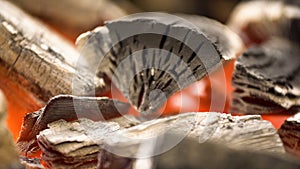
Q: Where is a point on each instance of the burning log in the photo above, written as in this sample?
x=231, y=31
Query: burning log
x=8, y=154
x=69, y=144
x=160, y=54
x=257, y=21
x=38, y=60
x=290, y=134
x=267, y=79
x=69, y=108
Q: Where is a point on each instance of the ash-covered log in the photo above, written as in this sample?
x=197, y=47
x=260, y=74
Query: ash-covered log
x=267, y=79
x=38, y=60
x=160, y=53
x=289, y=133
x=257, y=21
x=8, y=155
x=67, y=144
x=68, y=108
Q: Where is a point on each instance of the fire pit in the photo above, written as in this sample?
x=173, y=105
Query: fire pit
x=149, y=90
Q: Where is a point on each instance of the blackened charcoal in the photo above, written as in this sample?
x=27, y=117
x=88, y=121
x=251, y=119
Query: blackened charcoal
x=150, y=57
x=267, y=79
x=69, y=108
x=289, y=133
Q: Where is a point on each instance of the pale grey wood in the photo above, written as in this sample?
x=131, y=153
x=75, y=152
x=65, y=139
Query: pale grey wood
x=238, y=132
x=267, y=79
x=38, y=59
x=152, y=55
x=69, y=108
x=72, y=143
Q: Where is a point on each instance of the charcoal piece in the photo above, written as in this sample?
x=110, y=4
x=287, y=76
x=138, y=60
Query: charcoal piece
x=74, y=144
x=151, y=56
x=258, y=21
x=8, y=154
x=65, y=144
x=267, y=79
x=245, y=132
x=190, y=154
x=69, y=108
x=38, y=60
x=289, y=133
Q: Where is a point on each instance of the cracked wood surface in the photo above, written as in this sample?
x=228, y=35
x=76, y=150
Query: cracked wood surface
x=68, y=108
x=267, y=79
x=87, y=138
x=160, y=54
x=39, y=60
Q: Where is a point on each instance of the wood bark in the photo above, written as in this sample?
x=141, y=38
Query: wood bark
x=289, y=133
x=8, y=154
x=69, y=108
x=160, y=53
x=118, y=146
x=39, y=60
x=267, y=79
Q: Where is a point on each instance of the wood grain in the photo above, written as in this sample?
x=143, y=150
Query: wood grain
x=38, y=59
x=68, y=108
x=118, y=146
x=151, y=56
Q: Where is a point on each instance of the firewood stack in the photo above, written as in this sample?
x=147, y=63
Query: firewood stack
x=148, y=58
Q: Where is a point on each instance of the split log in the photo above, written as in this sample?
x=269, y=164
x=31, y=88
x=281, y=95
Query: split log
x=38, y=60
x=69, y=108
x=257, y=21
x=192, y=155
x=289, y=133
x=121, y=145
x=160, y=54
x=72, y=15
x=267, y=79
x=8, y=154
